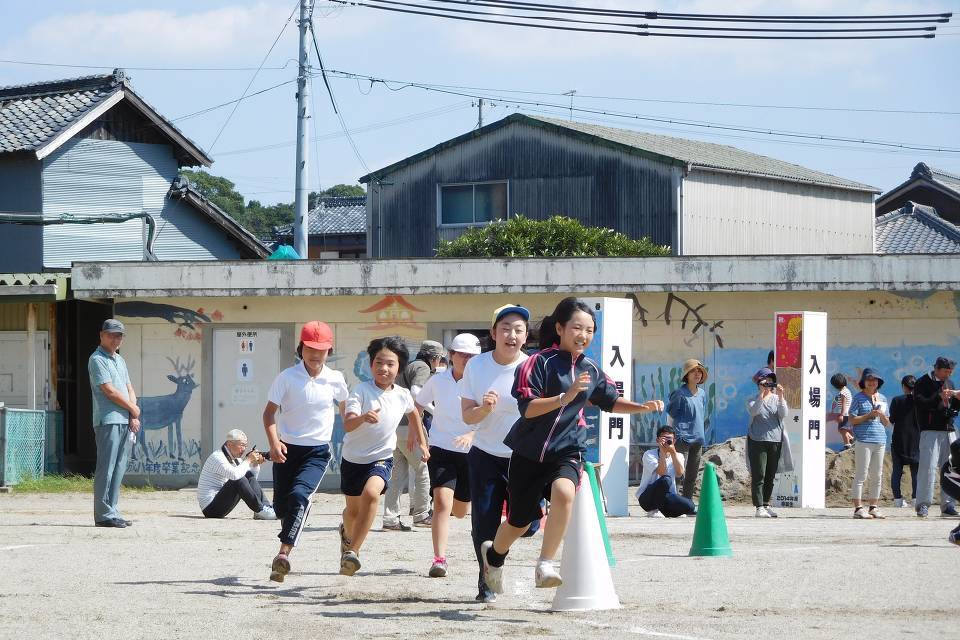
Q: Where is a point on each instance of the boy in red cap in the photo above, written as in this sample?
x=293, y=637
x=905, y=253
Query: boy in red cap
x=306, y=394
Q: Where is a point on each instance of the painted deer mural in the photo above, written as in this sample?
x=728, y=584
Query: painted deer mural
x=166, y=412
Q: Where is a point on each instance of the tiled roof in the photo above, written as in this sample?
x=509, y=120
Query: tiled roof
x=941, y=177
x=703, y=155
x=915, y=228
x=334, y=216
x=251, y=246
x=33, y=115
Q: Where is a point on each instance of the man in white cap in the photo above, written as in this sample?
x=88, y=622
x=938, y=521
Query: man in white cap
x=115, y=415
x=228, y=477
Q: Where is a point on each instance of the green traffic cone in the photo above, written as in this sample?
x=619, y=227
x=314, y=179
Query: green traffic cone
x=710, y=533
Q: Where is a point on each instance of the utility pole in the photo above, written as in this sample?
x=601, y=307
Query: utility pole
x=480, y=114
x=301, y=232
x=571, y=93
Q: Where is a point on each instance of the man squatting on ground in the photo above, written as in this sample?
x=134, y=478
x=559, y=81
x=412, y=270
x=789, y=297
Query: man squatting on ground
x=228, y=477
x=305, y=397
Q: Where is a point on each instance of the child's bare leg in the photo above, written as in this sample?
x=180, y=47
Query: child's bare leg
x=363, y=510
x=562, y=494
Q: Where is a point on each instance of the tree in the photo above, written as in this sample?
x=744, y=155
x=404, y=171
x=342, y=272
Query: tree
x=558, y=236
x=217, y=190
x=344, y=191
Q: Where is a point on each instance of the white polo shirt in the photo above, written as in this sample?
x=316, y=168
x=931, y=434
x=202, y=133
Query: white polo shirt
x=483, y=374
x=371, y=442
x=307, y=404
x=443, y=391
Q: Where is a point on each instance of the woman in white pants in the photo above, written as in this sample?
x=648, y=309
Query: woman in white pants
x=869, y=414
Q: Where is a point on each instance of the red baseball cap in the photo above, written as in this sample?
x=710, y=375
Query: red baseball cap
x=317, y=335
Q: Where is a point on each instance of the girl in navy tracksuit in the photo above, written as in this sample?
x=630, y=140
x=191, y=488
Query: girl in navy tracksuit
x=549, y=439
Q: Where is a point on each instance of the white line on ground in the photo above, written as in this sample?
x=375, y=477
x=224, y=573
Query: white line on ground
x=18, y=546
x=736, y=551
x=661, y=634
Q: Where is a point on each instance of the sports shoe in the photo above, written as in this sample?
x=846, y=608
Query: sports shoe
x=762, y=512
x=344, y=542
x=266, y=513
x=954, y=537
x=493, y=576
x=485, y=595
x=876, y=513
x=425, y=523
x=349, y=563
x=899, y=503
x=923, y=511
x=545, y=576
x=280, y=567
x=439, y=567
x=396, y=526
x=862, y=514
x=950, y=511
x=770, y=512
x=655, y=514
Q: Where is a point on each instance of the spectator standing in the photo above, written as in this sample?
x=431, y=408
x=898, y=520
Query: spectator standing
x=687, y=408
x=869, y=414
x=938, y=403
x=765, y=439
x=841, y=408
x=904, y=442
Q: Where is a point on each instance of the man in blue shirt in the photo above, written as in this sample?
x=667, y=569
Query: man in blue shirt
x=115, y=415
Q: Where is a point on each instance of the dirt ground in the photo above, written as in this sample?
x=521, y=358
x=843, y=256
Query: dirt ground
x=808, y=574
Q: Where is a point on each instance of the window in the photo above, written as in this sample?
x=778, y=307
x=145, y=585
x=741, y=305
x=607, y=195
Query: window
x=470, y=204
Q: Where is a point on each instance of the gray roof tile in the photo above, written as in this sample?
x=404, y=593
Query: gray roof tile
x=916, y=228
x=334, y=216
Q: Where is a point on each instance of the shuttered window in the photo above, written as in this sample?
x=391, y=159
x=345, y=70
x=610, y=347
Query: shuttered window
x=469, y=204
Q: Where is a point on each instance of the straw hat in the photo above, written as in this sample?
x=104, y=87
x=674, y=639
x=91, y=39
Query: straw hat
x=692, y=364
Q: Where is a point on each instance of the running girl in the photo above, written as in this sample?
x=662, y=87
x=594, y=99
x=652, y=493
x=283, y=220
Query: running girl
x=449, y=472
x=549, y=439
x=306, y=396
x=372, y=414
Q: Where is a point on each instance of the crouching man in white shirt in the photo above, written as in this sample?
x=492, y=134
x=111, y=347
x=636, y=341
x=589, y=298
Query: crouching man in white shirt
x=657, y=493
x=229, y=477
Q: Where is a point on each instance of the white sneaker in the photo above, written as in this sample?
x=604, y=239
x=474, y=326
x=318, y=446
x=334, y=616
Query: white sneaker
x=266, y=513
x=899, y=503
x=655, y=514
x=545, y=576
x=493, y=576
x=770, y=512
x=761, y=513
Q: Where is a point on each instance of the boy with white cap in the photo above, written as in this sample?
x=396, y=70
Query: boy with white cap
x=305, y=396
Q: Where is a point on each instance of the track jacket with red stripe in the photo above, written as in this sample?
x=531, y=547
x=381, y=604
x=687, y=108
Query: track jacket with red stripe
x=562, y=431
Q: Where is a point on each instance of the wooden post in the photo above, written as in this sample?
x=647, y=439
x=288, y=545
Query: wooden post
x=32, y=355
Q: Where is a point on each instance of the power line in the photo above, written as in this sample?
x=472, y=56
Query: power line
x=228, y=103
x=126, y=68
x=254, y=77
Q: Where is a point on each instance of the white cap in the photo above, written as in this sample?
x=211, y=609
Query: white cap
x=466, y=343
x=236, y=435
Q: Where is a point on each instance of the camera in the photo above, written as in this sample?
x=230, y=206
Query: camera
x=769, y=384
x=668, y=441
x=265, y=454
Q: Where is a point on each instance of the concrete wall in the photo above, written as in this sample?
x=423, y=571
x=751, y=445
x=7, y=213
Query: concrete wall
x=730, y=331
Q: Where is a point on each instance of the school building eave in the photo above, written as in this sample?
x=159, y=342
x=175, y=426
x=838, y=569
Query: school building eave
x=426, y=276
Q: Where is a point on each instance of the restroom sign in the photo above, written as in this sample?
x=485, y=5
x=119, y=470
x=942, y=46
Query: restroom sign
x=246, y=341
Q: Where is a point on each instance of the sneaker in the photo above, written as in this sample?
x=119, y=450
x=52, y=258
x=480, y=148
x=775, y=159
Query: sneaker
x=426, y=523
x=344, y=542
x=876, y=513
x=545, y=576
x=396, y=526
x=762, y=512
x=655, y=514
x=485, y=595
x=493, y=576
x=266, y=513
x=439, y=568
x=349, y=563
x=770, y=512
x=923, y=511
x=950, y=511
x=862, y=514
x=280, y=567
x=899, y=503
x=954, y=537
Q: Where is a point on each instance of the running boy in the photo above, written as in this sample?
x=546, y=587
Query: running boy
x=372, y=414
x=549, y=439
x=305, y=395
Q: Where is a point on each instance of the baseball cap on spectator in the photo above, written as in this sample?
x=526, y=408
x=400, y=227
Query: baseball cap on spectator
x=113, y=326
x=764, y=373
x=944, y=363
x=317, y=335
x=432, y=349
x=466, y=343
x=506, y=309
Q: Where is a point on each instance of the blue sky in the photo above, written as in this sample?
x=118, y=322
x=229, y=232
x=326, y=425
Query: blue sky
x=902, y=75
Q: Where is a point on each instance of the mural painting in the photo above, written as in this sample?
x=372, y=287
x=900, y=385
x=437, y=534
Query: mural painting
x=166, y=412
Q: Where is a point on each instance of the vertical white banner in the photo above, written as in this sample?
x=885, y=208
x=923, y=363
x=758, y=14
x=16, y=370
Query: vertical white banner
x=613, y=350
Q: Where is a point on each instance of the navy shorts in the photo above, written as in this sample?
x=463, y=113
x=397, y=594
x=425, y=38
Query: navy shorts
x=530, y=481
x=353, y=476
x=450, y=469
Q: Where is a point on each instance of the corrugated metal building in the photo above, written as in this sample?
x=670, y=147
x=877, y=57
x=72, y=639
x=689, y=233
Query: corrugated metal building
x=700, y=198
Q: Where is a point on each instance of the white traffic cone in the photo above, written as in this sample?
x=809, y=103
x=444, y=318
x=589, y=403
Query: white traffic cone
x=587, y=583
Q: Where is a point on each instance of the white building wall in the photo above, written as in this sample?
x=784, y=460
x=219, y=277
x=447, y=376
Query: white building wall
x=730, y=214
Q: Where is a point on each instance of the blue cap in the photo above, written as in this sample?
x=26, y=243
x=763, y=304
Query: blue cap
x=764, y=373
x=113, y=326
x=506, y=309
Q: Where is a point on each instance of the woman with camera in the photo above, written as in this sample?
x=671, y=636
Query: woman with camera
x=869, y=414
x=764, y=439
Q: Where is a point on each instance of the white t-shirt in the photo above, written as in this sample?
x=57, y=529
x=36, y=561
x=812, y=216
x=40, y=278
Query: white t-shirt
x=442, y=390
x=483, y=374
x=650, y=462
x=307, y=405
x=372, y=442
x=218, y=471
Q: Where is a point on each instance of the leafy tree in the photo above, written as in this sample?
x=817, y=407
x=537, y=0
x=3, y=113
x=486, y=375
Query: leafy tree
x=558, y=236
x=344, y=191
x=218, y=190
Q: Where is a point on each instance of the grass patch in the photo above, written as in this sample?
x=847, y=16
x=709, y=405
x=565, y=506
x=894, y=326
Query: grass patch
x=71, y=483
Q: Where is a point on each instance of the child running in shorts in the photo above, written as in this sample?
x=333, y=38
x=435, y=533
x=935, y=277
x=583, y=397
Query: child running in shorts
x=372, y=413
x=549, y=439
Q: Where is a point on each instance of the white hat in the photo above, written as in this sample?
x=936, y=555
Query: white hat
x=236, y=435
x=466, y=343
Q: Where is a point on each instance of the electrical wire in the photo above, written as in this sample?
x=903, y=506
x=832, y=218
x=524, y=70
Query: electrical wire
x=227, y=104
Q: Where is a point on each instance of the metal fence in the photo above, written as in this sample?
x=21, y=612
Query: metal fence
x=21, y=445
